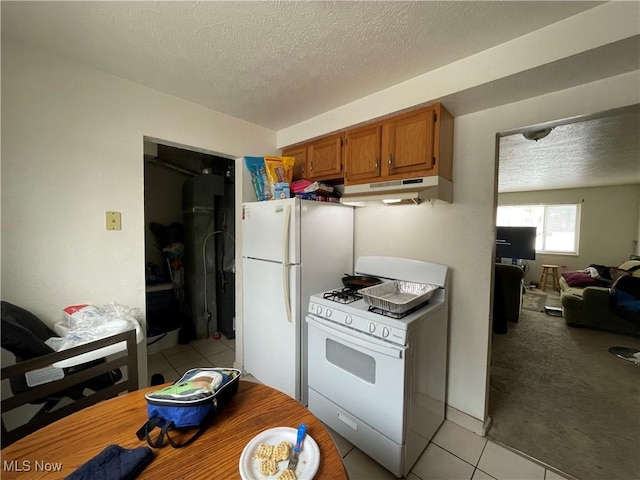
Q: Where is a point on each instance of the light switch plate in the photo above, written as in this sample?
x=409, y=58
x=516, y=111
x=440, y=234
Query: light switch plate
x=113, y=221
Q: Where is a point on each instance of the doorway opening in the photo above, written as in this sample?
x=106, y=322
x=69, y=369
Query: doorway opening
x=189, y=204
x=553, y=383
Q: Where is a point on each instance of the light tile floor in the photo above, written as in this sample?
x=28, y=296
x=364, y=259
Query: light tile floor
x=453, y=454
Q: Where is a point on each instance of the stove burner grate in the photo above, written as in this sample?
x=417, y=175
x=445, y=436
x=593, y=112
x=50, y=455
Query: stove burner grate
x=387, y=313
x=344, y=296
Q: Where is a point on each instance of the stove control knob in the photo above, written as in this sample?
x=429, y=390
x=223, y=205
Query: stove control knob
x=348, y=320
x=385, y=332
x=329, y=312
x=319, y=309
x=372, y=327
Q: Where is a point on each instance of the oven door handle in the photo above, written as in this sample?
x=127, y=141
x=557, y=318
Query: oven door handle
x=373, y=344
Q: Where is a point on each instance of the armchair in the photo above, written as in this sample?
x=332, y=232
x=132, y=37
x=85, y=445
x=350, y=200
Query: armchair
x=507, y=295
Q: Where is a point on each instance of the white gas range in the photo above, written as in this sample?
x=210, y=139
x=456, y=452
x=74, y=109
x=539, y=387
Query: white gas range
x=353, y=312
x=376, y=379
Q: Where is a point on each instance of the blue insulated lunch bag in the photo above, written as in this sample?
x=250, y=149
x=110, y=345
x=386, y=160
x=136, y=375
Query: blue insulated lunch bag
x=190, y=403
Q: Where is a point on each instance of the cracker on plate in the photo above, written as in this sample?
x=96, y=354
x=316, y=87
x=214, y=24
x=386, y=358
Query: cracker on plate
x=287, y=475
x=264, y=452
x=268, y=467
x=282, y=451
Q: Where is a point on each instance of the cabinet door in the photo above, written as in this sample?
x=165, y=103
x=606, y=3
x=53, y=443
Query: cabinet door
x=362, y=153
x=410, y=147
x=300, y=154
x=325, y=158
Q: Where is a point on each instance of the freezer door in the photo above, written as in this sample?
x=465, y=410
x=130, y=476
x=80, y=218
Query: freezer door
x=271, y=341
x=271, y=230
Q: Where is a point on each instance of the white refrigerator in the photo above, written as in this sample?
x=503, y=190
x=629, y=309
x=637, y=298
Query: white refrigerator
x=291, y=249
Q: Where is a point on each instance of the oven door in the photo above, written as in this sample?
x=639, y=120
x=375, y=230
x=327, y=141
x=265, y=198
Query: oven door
x=362, y=374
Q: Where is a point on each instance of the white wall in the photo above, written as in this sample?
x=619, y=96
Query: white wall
x=72, y=148
x=608, y=224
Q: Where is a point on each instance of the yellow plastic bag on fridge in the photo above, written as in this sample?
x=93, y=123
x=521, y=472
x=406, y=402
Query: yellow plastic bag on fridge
x=279, y=171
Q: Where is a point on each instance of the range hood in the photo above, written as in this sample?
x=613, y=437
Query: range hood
x=398, y=192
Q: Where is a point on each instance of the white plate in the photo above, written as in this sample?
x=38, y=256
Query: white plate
x=308, y=461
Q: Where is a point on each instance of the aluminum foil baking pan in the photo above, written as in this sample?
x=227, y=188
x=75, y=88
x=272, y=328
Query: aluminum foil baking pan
x=398, y=296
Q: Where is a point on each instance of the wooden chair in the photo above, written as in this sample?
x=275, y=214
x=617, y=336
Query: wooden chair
x=73, y=378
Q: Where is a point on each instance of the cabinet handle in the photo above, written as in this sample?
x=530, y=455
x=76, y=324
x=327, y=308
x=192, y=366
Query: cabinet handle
x=303, y=168
x=375, y=165
x=390, y=159
x=311, y=165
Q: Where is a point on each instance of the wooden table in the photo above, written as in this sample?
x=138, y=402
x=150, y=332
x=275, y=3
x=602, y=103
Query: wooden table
x=75, y=439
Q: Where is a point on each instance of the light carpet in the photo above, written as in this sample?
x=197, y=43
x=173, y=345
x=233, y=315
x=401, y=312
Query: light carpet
x=558, y=395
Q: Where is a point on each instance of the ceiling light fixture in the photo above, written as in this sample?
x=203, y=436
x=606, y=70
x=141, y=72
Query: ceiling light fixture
x=537, y=134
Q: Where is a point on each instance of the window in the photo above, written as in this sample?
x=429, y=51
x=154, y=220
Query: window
x=557, y=231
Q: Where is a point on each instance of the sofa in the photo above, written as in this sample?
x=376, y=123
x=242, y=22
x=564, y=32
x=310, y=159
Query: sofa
x=507, y=295
x=586, y=300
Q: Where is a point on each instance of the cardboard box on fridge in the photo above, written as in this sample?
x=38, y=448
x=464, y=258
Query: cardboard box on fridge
x=281, y=190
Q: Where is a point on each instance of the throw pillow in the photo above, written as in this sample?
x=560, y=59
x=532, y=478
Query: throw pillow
x=581, y=280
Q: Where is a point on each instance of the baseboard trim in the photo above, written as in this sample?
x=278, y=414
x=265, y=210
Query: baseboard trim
x=486, y=426
x=468, y=422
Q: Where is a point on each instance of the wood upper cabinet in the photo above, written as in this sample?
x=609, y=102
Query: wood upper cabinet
x=324, y=159
x=418, y=143
x=414, y=144
x=319, y=160
x=300, y=154
x=363, y=150
x=410, y=143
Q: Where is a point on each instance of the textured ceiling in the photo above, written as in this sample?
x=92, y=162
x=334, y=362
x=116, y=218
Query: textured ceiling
x=600, y=150
x=274, y=63
x=279, y=63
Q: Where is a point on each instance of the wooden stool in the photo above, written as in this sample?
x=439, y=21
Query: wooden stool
x=553, y=271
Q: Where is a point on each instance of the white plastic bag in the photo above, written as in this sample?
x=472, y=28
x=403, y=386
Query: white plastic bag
x=87, y=323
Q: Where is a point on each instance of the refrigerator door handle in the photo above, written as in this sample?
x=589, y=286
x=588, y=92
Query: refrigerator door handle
x=285, y=291
x=285, y=262
x=285, y=235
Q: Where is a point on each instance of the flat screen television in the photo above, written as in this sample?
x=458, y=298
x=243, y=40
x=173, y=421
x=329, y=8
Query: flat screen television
x=517, y=243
